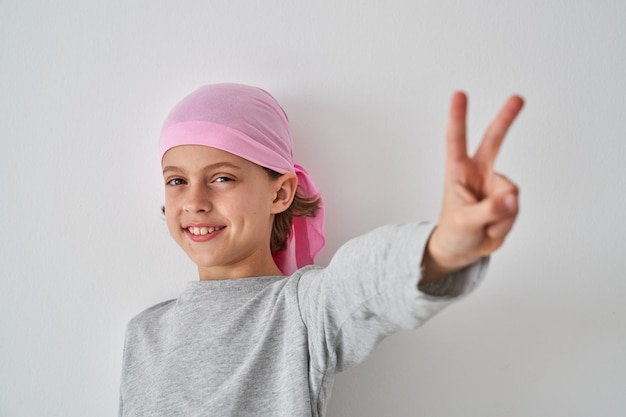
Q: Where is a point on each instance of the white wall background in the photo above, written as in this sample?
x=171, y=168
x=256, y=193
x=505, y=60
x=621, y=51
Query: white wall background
x=84, y=87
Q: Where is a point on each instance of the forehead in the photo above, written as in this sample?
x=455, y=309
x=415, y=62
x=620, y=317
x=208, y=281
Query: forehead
x=199, y=157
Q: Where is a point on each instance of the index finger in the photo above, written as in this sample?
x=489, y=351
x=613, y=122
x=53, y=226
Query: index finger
x=456, y=134
x=490, y=145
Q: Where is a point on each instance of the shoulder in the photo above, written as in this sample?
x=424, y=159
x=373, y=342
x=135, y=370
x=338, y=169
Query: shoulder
x=150, y=316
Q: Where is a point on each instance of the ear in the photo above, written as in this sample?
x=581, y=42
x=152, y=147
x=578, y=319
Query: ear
x=285, y=186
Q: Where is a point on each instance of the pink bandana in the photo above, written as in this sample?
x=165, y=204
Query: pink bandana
x=248, y=122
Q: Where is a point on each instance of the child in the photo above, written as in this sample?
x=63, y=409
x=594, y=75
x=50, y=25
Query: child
x=254, y=337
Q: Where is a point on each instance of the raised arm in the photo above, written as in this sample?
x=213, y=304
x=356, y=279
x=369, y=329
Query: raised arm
x=479, y=205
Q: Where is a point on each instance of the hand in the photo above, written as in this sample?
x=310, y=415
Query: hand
x=479, y=205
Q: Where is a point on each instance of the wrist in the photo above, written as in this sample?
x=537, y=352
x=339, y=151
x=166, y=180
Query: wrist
x=438, y=262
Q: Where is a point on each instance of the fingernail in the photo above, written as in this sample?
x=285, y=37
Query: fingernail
x=510, y=201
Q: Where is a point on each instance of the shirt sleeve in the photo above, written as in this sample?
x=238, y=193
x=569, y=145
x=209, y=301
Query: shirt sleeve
x=370, y=290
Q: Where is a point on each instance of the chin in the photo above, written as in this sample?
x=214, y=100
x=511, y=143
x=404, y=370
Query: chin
x=203, y=262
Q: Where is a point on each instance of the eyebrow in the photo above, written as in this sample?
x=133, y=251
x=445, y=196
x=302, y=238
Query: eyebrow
x=206, y=168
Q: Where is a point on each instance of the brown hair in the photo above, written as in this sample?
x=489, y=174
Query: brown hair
x=300, y=207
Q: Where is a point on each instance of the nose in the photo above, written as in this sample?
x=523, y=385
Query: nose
x=197, y=199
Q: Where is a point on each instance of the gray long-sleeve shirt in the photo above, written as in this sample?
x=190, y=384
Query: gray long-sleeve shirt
x=271, y=346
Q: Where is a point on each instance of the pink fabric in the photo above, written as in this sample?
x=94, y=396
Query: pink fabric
x=249, y=123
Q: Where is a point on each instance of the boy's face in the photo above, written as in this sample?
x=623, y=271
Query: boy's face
x=219, y=209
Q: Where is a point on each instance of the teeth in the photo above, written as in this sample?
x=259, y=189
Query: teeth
x=201, y=231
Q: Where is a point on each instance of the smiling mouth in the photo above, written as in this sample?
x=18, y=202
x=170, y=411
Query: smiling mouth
x=202, y=231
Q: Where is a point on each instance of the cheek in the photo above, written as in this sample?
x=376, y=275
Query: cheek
x=171, y=224
x=256, y=204
x=246, y=212
x=169, y=213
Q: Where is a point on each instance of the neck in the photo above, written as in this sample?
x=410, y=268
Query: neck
x=234, y=272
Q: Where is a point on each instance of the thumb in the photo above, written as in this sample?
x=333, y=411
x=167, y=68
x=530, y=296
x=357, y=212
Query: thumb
x=494, y=209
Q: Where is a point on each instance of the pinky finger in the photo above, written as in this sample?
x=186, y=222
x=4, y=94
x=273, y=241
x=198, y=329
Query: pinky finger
x=499, y=230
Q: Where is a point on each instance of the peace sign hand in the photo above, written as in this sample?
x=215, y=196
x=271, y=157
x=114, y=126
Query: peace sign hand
x=479, y=205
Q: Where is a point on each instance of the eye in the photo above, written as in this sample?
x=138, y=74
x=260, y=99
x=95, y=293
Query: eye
x=223, y=179
x=175, y=181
